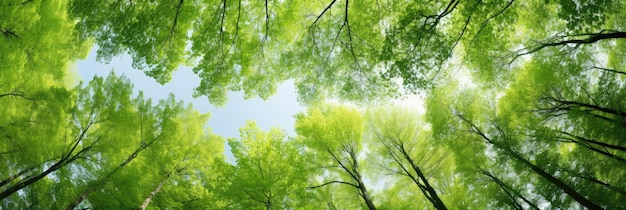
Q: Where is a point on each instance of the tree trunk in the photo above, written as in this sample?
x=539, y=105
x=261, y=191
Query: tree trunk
x=566, y=188
x=64, y=160
x=591, y=141
x=14, y=188
x=432, y=194
x=365, y=195
x=93, y=187
x=147, y=201
x=509, y=191
x=15, y=176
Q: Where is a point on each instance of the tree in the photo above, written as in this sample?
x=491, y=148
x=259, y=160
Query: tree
x=404, y=149
x=524, y=104
x=501, y=145
x=105, y=131
x=269, y=173
x=574, y=115
x=96, y=107
x=223, y=49
x=554, y=129
x=36, y=48
x=186, y=169
x=333, y=134
x=167, y=126
x=352, y=50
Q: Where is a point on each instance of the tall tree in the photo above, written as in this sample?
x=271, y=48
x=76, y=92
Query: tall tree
x=355, y=50
x=269, y=173
x=171, y=149
x=334, y=135
x=406, y=150
x=36, y=47
x=95, y=111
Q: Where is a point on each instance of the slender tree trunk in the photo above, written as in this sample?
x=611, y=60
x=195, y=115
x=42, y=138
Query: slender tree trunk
x=359, y=179
x=509, y=191
x=588, y=145
x=93, y=187
x=65, y=159
x=365, y=194
x=432, y=194
x=21, y=184
x=594, y=180
x=156, y=190
x=595, y=107
x=15, y=176
x=431, y=191
x=590, y=39
x=591, y=141
x=367, y=199
x=566, y=188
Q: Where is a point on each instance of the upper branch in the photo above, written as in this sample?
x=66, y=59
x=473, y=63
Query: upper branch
x=562, y=40
x=323, y=12
x=333, y=182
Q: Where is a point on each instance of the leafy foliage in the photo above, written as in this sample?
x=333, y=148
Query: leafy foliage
x=270, y=172
x=524, y=105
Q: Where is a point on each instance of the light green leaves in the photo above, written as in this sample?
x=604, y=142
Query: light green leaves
x=270, y=171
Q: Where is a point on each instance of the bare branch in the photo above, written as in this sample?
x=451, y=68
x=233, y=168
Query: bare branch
x=561, y=40
x=333, y=182
x=608, y=70
x=323, y=12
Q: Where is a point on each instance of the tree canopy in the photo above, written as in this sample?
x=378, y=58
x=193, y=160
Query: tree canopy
x=524, y=104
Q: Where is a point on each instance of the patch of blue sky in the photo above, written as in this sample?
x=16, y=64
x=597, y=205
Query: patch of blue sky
x=277, y=111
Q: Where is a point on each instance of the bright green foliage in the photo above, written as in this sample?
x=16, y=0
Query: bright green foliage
x=101, y=133
x=229, y=40
x=170, y=147
x=524, y=105
x=116, y=25
x=270, y=172
x=34, y=54
x=333, y=137
x=239, y=45
x=405, y=148
x=343, y=126
x=353, y=50
x=37, y=45
x=557, y=127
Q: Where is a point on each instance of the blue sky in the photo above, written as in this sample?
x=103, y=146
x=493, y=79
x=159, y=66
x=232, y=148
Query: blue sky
x=277, y=111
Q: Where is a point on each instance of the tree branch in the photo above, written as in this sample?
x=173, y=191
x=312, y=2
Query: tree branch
x=609, y=70
x=561, y=41
x=333, y=182
x=484, y=24
x=8, y=33
x=323, y=12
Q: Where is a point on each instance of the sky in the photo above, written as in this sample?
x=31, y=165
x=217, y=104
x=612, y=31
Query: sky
x=277, y=111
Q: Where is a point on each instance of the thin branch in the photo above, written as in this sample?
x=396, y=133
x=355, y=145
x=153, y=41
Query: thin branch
x=173, y=29
x=8, y=33
x=554, y=41
x=332, y=154
x=484, y=24
x=323, y=12
x=609, y=70
x=333, y=182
